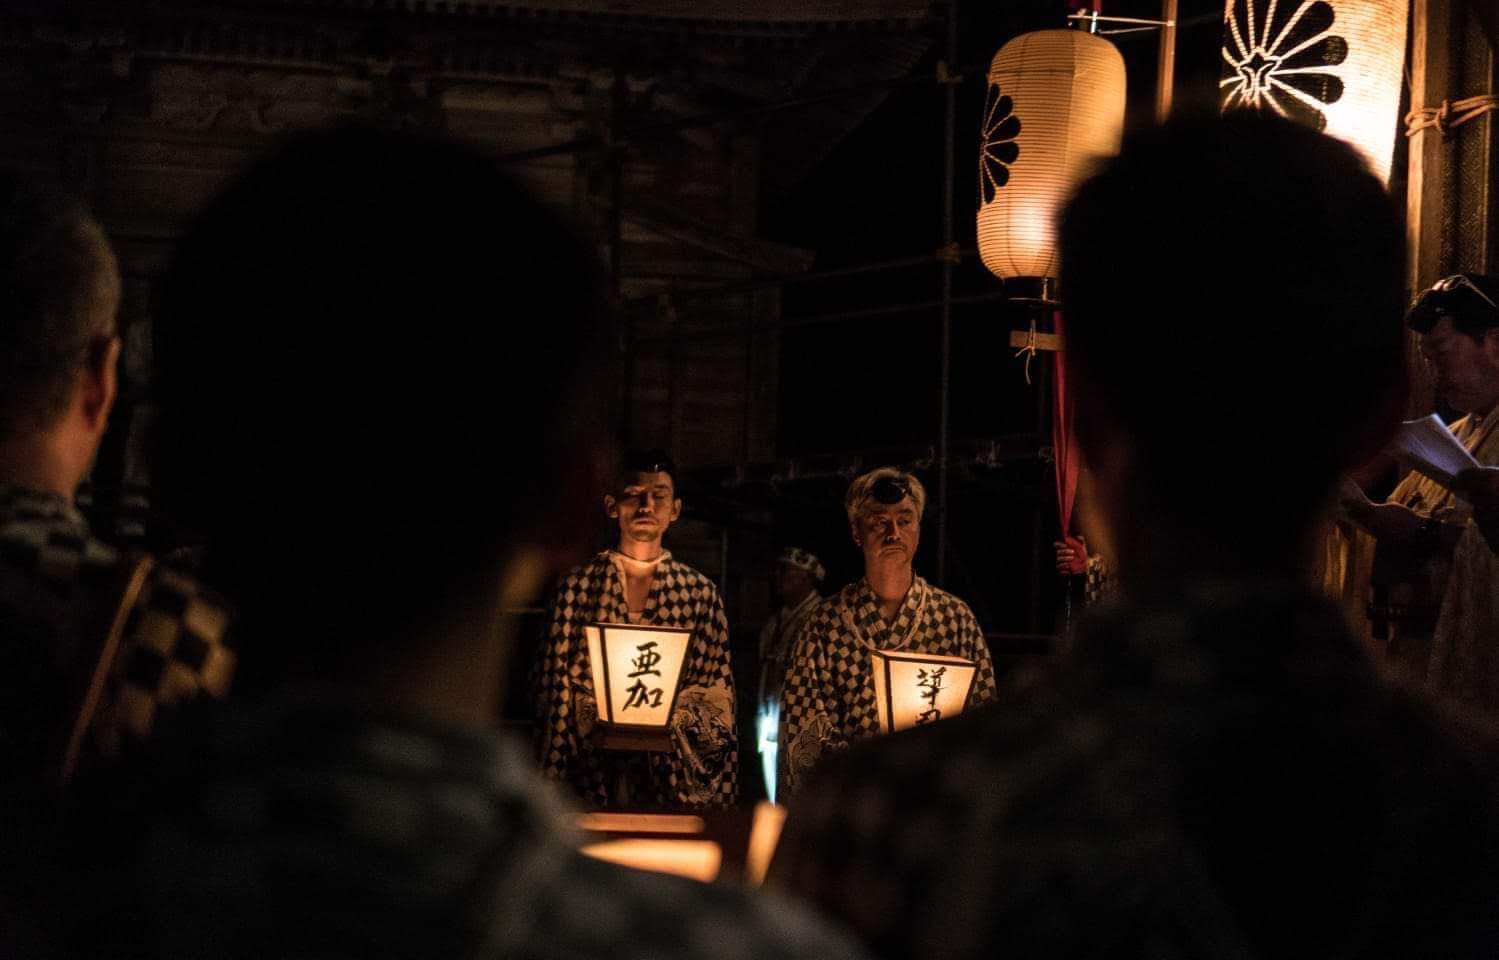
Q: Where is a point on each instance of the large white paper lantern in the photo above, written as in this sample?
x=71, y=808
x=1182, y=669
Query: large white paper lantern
x=1334, y=65
x=636, y=672
x=914, y=689
x=1055, y=104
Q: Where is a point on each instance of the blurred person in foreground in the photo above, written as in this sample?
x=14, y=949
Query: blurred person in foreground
x=381, y=394
x=1218, y=768
x=94, y=641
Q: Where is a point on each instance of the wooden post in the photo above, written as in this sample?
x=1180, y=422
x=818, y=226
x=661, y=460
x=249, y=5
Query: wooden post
x=1428, y=187
x=1166, y=63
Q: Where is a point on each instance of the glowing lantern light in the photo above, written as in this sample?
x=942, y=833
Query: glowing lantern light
x=1334, y=65
x=636, y=671
x=914, y=689
x=1055, y=103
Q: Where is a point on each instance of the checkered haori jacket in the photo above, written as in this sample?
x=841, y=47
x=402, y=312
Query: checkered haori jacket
x=702, y=769
x=828, y=699
x=61, y=593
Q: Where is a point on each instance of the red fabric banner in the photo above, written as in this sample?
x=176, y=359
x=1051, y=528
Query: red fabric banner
x=1062, y=444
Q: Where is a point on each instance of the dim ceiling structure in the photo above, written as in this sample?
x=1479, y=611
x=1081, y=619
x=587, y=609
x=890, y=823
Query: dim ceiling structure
x=670, y=128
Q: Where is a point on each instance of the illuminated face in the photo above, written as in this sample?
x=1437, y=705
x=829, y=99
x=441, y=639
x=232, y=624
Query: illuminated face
x=888, y=532
x=1466, y=370
x=645, y=507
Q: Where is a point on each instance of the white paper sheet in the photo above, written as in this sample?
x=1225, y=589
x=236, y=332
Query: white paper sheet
x=1432, y=449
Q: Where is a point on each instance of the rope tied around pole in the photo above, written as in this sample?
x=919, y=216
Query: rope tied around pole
x=1449, y=114
x=1029, y=350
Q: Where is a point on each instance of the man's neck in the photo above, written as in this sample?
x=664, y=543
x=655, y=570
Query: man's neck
x=643, y=550
x=33, y=462
x=889, y=583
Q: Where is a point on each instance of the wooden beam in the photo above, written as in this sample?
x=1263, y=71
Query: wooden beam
x=1166, y=63
x=661, y=219
x=1428, y=180
x=1429, y=176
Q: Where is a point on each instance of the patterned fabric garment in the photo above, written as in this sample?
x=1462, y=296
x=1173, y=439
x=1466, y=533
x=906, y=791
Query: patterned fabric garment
x=1435, y=618
x=776, y=640
x=59, y=591
x=702, y=769
x=1229, y=775
x=1099, y=585
x=1464, y=662
x=293, y=830
x=828, y=699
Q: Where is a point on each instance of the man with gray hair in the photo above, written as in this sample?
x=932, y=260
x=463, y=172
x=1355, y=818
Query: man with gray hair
x=828, y=700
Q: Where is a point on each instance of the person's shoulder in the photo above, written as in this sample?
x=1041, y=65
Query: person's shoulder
x=828, y=610
x=951, y=602
x=845, y=597
x=176, y=649
x=177, y=612
x=896, y=810
x=587, y=572
x=692, y=579
x=603, y=909
x=39, y=541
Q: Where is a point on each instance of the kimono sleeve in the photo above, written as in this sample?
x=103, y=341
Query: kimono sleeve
x=807, y=707
x=703, y=724
x=983, y=680
x=566, y=688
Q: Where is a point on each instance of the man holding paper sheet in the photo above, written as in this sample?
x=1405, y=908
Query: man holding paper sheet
x=829, y=698
x=639, y=583
x=1435, y=580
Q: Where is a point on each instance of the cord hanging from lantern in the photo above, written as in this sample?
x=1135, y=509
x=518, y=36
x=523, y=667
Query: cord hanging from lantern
x=1029, y=349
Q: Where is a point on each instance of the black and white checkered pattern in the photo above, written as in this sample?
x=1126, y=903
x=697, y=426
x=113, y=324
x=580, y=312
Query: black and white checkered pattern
x=679, y=597
x=777, y=638
x=297, y=830
x=828, y=697
x=59, y=589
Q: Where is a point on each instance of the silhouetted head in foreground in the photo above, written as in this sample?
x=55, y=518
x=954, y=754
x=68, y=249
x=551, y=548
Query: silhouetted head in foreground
x=1232, y=289
x=378, y=360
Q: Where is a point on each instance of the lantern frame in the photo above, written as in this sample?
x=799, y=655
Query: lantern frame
x=884, y=697
x=1056, y=103
x=612, y=734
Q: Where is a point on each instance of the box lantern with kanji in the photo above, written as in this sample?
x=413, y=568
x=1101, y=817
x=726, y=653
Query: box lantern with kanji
x=636, y=672
x=914, y=689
